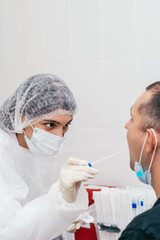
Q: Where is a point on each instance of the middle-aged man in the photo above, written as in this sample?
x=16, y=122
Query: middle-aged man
x=143, y=135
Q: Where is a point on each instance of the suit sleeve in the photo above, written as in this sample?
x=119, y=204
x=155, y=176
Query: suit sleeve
x=45, y=217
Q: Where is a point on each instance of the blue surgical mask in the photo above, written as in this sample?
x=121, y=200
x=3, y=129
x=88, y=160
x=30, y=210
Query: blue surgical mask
x=44, y=143
x=145, y=176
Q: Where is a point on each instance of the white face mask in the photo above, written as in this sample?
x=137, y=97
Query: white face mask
x=145, y=176
x=44, y=143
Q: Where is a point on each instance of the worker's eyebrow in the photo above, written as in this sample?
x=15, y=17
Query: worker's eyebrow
x=52, y=121
x=70, y=121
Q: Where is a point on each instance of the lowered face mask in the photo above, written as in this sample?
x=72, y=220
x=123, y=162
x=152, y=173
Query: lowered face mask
x=145, y=176
x=44, y=143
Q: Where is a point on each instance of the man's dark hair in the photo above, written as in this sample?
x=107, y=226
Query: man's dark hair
x=150, y=110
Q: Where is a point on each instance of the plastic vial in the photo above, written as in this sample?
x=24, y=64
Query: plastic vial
x=134, y=209
x=142, y=206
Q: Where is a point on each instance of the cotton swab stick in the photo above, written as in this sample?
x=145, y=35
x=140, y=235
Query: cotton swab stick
x=107, y=157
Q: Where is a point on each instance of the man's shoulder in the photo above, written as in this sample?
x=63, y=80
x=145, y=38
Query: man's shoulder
x=145, y=224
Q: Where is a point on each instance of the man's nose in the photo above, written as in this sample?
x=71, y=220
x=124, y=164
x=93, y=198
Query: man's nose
x=126, y=125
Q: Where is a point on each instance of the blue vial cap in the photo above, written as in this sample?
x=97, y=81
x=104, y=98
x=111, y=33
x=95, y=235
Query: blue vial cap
x=90, y=164
x=141, y=203
x=134, y=205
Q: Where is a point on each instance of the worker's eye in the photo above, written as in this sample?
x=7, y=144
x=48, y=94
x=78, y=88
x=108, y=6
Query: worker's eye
x=67, y=125
x=50, y=125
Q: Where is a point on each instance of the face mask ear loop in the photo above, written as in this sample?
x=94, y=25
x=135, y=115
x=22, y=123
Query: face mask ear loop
x=140, y=158
x=154, y=149
x=25, y=132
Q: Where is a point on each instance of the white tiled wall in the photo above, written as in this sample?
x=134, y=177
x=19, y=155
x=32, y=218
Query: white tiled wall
x=85, y=30
x=148, y=21
x=117, y=19
x=57, y=31
x=23, y=37
x=106, y=50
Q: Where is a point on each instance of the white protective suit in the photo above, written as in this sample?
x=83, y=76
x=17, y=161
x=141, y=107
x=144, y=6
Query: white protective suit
x=31, y=206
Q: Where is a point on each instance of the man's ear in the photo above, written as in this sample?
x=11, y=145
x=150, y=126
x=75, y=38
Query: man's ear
x=151, y=141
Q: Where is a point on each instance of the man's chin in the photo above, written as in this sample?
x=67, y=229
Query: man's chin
x=132, y=165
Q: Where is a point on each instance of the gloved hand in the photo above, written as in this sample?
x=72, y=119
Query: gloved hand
x=84, y=217
x=75, y=226
x=72, y=173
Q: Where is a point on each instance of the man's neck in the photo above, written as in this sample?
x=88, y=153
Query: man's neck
x=156, y=181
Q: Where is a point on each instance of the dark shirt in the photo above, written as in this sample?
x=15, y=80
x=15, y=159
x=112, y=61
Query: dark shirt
x=145, y=226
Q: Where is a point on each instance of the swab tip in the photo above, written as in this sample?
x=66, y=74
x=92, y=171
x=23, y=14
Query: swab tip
x=90, y=164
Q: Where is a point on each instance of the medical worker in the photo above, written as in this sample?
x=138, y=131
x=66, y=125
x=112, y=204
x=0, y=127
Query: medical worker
x=33, y=123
